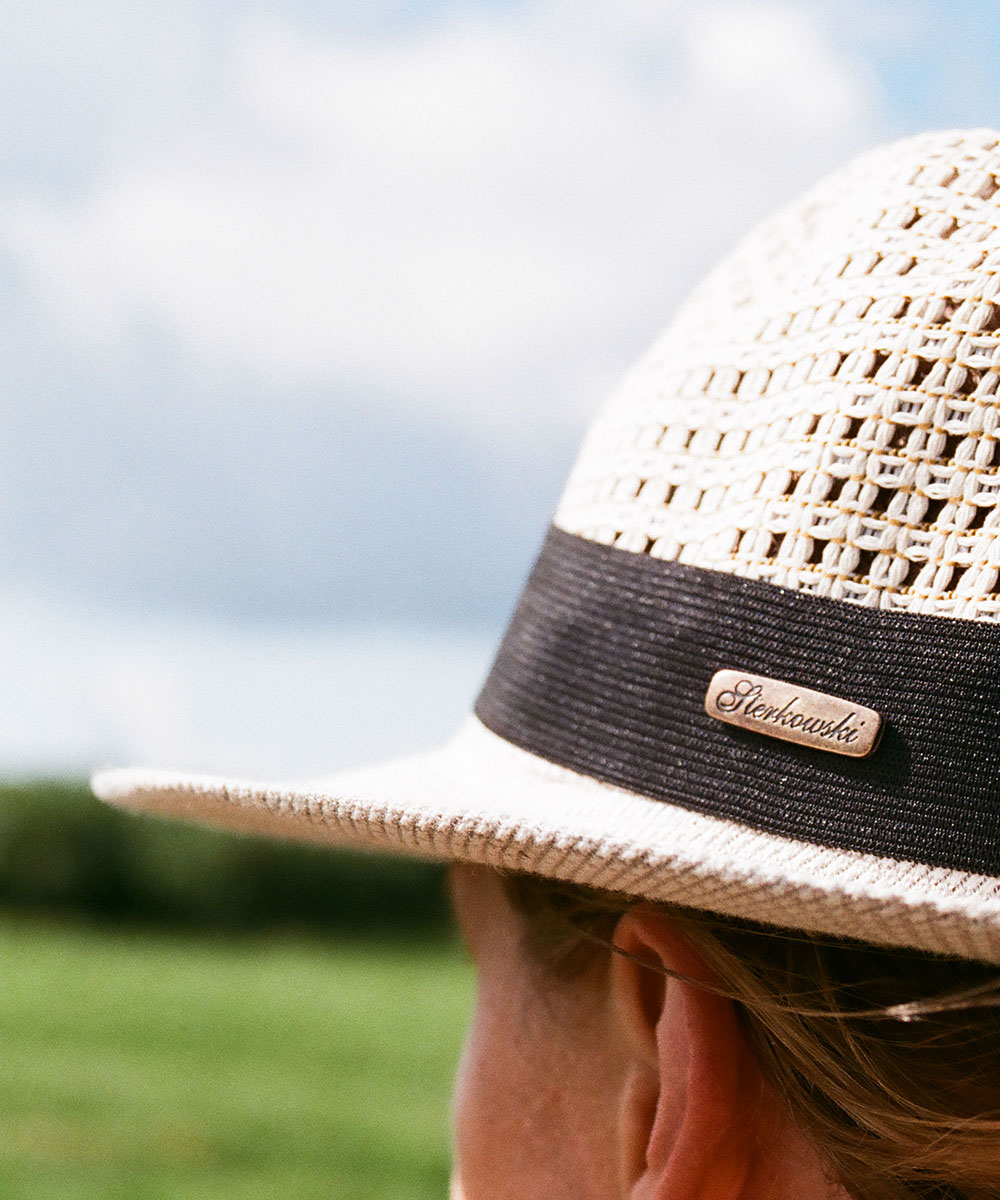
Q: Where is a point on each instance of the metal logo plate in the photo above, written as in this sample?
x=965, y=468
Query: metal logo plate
x=794, y=714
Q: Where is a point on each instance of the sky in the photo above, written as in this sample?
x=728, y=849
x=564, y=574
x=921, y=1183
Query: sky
x=303, y=310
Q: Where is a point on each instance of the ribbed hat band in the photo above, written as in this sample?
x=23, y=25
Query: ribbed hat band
x=606, y=663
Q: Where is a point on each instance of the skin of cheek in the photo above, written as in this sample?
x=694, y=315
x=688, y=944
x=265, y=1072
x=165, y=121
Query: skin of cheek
x=537, y=1088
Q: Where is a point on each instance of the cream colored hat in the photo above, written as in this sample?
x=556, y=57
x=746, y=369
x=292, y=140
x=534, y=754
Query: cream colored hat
x=756, y=669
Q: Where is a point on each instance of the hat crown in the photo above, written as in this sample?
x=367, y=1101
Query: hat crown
x=822, y=412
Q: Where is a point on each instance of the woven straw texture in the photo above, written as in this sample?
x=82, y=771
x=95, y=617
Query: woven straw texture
x=822, y=413
x=480, y=799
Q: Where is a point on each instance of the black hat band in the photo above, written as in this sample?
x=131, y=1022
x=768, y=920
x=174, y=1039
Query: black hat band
x=605, y=666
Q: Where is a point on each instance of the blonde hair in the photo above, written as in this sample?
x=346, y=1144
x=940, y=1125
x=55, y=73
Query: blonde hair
x=889, y=1059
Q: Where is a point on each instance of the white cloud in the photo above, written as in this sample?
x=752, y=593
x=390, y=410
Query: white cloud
x=480, y=215
x=776, y=58
x=82, y=691
x=85, y=84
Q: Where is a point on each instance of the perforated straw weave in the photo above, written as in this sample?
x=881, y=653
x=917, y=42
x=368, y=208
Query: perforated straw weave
x=821, y=415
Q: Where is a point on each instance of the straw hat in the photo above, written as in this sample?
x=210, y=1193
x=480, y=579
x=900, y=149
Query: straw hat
x=756, y=669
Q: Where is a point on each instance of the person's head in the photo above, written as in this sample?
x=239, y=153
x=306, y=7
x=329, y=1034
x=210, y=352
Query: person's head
x=749, y=702
x=628, y=1051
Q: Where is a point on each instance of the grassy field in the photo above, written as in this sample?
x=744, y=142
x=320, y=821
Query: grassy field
x=147, y=1066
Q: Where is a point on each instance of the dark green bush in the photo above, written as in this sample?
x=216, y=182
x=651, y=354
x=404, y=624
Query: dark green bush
x=63, y=851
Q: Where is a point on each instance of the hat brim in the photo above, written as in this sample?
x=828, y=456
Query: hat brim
x=480, y=799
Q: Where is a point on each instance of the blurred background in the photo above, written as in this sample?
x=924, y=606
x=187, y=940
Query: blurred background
x=303, y=308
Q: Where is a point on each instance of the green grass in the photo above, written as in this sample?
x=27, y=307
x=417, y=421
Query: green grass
x=143, y=1067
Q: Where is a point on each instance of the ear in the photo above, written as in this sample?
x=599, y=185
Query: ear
x=681, y=1132
x=697, y=1120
